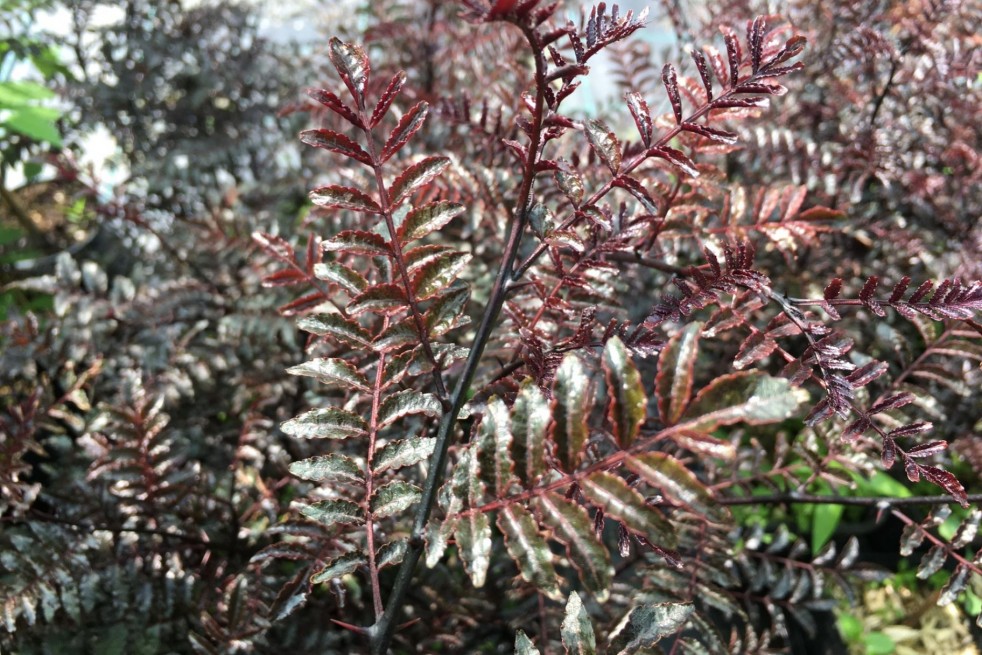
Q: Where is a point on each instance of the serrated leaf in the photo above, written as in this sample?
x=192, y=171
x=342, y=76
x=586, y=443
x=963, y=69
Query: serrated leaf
x=604, y=144
x=405, y=403
x=670, y=78
x=336, y=326
x=385, y=100
x=437, y=537
x=750, y=397
x=357, y=242
x=403, y=452
x=570, y=410
x=529, y=424
x=335, y=142
x=332, y=372
x=428, y=218
x=391, y=553
x=932, y=562
x=445, y=313
x=438, y=274
x=385, y=299
x=336, y=105
x=571, y=185
x=528, y=549
x=352, y=65
x=473, y=537
x=325, y=423
x=494, y=445
x=641, y=115
x=612, y=494
x=416, y=176
x=420, y=256
x=577, y=629
x=676, y=365
x=408, y=125
x=675, y=481
x=335, y=196
x=646, y=625
x=676, y=157
x=327, y=467
x=394, y=497
x=628, y=403
x=333, y=512
x=340, y=567
x=573, y=527
x=754, y=348
x=524, y=645
x=339, y=274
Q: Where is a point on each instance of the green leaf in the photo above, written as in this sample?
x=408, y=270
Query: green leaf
x=473, y=529
x=529, y=550
x=577, y=630
x=327, y=467
x=438, y=274
x=494, y=445
x=428, y=218
x=385, y=299
x=394, y=497
x=341, y=275
x=524, y=645
x=325, y=423
x=340, y=567
x=879, y=643
x=570, y=410
x=675, y=481
x=357, y=242
x=333, y=512
x=628, y=403
x=391, y=553
x=604, y=143
x=619, y=501
x=403, y=452
x=825, y=521
x=647, y=624
x=336, y=326
x=20, y=94
x=416, y=176
x=529, y=423
x=405, y=403
x=676, y=364
x=750, y=397
x=38, y=123
x=332, y=372
x=445, y=313
x=571, y=525
x=335, y=196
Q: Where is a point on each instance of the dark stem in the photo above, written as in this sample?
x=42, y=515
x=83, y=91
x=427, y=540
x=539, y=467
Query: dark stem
x=380, y=634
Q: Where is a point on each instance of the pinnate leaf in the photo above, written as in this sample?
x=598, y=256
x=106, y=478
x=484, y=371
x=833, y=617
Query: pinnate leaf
x=336, y=326
x=670, y=78
x=619, y=501
x=403, y=452
x=529, y=425
x=386, y=299
x=676, y=367
x=394, y=497
x=327, y=467
x=628, y=403
x=352, y=65
x=676, y=482
x=675, y=157
x=335, y=142
x=340, y=567
x=325, y=423
x=524, y=645
x=572, y=526
x=404, y=403
x=385, y=100
x=333, y=512
x=529, y=550
x=646, y=625
x=357, y=242
x=332, y=371
x=604, y=144
x=570, y=410
x=339, y=274
x=336, y=105
x=418, y=175
x=407, y=126
x=428, y=218
x=437, y=274
x=335, y=196
x=750, y=397
x=494, y=444
x=577, y=629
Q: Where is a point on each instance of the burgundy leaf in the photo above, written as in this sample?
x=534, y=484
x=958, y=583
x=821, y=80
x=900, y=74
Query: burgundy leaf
x=408, y=125
x=927, y=449
x=339, y=143
x=733, y=54
x=900, y=289
x=677, y=158
x=336, y=105
x=921, y=291
x=344, y=197
x=352, y=65
x=302, y=304
x=912, y=428
x=703, y=68
x=670, y=78
x=867, y=373
x=889, y=455
x=418, y=175
x=753, y=101
x=385, y=100
x=947, y=481
x=357, y=242
x=892, y=402
x=641, y=114
x=755, y=39
x=286, y=277
x=720, y=136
